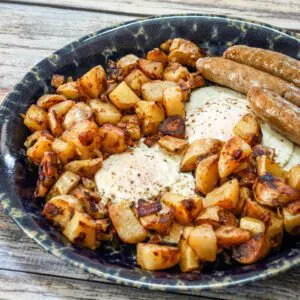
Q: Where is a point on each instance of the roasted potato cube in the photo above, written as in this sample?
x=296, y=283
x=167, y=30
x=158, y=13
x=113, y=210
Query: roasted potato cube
x=228, y=236
x=64, y=150
x=151, y=115
x=206, y=174
x=233, y=154
x=225, y=196
x=37, y=151
x=173, y=126
x=131, y=124
x=259, y=150
x=81, y=230
x=275, y=231
x=92, y=83
x=266, y=164
x=172, y=102
x=184, y=52
x=36, y=118
x=135, y=79
x=114, y=139
x=175, y=72
x=174, y=235
x=253, y=225
x=165, y=46
x=188, y=259
x=185, y=209
x=172, y=144
x=196, y=80
x=94, y=209
x=127, y=63
x=294, y=177
x=69, y=90
x=273, y=191
x=126, y=223
x=245, y=193
x=48, y=100
x=123, y=97
x=33, y=138
x=291, y=221
x=57, y=80
x=84, y=168
x=153, y=90
x=86, y=138
x=199, y=149
x=152, y=69
x=79, y=112
x=157, y=55
x=88, y=183
x=156, y=257
x=248, y=129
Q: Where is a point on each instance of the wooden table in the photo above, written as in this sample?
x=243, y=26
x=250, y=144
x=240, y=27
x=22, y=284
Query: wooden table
x=31, y=30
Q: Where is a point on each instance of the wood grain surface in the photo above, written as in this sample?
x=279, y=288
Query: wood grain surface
x=31, y=30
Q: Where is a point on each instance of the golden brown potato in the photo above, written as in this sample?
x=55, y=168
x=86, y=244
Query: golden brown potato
x=127, y=63
x=199, y=149
x=79, y=112
x=196, y=80
x=37, y=150
x=175, y=71
x=153, y=90
x=206, y=174
x=64, y=150
x=225, y=196
x=291, y=221
x=69, y=90
x=185, y=209
x=135, y=79
x=188, y=259
x=114, y=139
x=266, y=164
x=48, y=100
x=174, y=234
x=151, y=114
x=84, y=168
x=57, y=80
x=32, y=139
x=172, y=144
x=88, y=183
x=157, y=55
x=275, y=231
x=165, y=46
x=131, y=124
x=228, y=236
x=173, y=126
x=126, y=223
x=256, y=226
x=294, y=177
x=152, y=69
x=259, y=150
x=36, y=118
x=86, y=138
x=248, y=129
x=245, y=193
x=232, y=155
x=156, y=257
x=172, y=102
x=123, y=97
x=184, y=52
x=93, y=208
x=92, y=83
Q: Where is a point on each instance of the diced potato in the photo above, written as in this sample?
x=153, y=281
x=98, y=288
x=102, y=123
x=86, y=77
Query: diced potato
x=153, y=90
x=291, y=222
x=126, y=223
x=86, y=138
x=104, y=112
x=64, y=150
x=152, y=69
x=33, y=138
x=92, y=83
x=248, y=129
x=228, y=236
x=84, y=168
x=79, y=112
x=36, y=118
x=254, y=225
x=36, y=152
x=265, y=164
x=175, y=72
x=166, y=45
x=172, y=102
x=114, y=139
x=174, y=235
x=69, y=90
x=185, y=209
x=123, y=97
x=173, y=126
x=232, y=155
x=135, y=79
x=131, y=124
x=57, y=80
x=88, y=183
x=81, y=230
x=206, y=174
x=245, y=194
x=294, y=177
x=203, y=241
x=172, y=144
x=156, y=257
x=259, y=150
x=199, y=149
x=151, y=115
x=196, y=80
x=188, y=259
x=157, y=55
x=48, y=100
x=94, y=209
x=225, y=196
x=275, y=231
x=127, y=63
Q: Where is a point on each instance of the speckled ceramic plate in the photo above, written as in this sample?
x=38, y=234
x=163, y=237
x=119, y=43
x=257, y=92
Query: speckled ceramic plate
x=214, y=34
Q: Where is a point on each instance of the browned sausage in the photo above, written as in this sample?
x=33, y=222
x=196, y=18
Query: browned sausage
x=242, y=77
x=272, y=62
x=282, y=115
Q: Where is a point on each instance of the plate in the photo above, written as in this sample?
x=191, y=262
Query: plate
x=212, y=33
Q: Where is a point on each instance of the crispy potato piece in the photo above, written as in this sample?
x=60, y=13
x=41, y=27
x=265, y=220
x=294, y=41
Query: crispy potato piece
x=294, y=177
x=185, y=209
x=173, y=126
x=256, y=226
x=123, y=97
x=57, y=80
x=79, y=112
x=36, y=118
x=88, y=183
x=225, y=196
x=94, y=209
x=188, y=259
x=131, y=124
x=245, y=193
x=69, y=90
x=114, y=139
x=273, y=191
x=174, y=234
x=248, y=129
x=228, y=236
x=275, y=231
x=48, y=100
x=165, y=46
x=185, y=52
x=252, y=251
x=196, y=80
x=157, y=55
x=126, y=223
x=202, y=239
x=291, y=221
x=156, y=257
x=84, y=168
x=64, y=150
x=175, y=71
x=153, y=90
x=199, y=149
x=265, y=164
x=127, y=63
x=247, y=176
x=151, y=115
x=92, y=83
x=86, y=138
x=33, y=138
x=152, y=69
x=260, y=150
x=172, y=144
x=206, y=174
x=114, y=73
x=135, y=79
x=172, y=102
x=37, y=151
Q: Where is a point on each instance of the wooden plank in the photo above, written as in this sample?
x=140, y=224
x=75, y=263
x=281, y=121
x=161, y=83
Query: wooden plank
x=285, y=14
